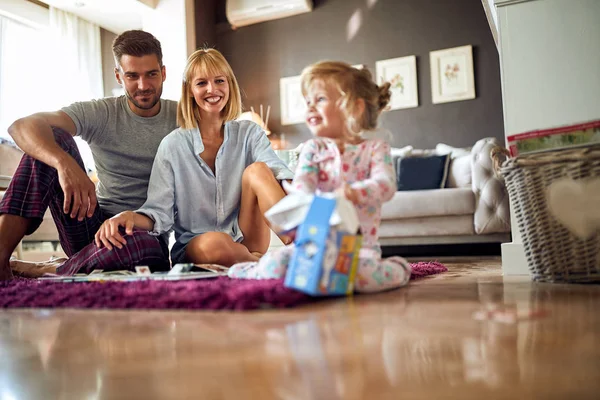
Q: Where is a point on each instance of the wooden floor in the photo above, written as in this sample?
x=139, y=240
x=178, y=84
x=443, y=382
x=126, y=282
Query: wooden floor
x=425, y=341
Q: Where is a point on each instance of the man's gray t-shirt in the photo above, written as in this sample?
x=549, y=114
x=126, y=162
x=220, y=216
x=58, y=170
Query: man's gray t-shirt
x=123, y=145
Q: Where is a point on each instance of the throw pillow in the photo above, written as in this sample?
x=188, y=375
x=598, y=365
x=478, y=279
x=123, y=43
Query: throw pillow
x=401, y=152
x=459, y=172
x=455, y=152
x=422, y=173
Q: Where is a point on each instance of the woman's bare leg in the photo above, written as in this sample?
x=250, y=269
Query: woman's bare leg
x=260, y=191
x=217, y=248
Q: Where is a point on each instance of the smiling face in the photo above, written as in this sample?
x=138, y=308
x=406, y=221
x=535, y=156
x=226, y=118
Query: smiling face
x=142, y=79
x=323, y=115
x=210, y=92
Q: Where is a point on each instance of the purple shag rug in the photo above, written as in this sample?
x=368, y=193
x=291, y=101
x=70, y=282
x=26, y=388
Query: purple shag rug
x=211, y=294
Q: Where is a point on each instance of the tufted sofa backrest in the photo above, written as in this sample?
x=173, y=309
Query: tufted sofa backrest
x=491, y=197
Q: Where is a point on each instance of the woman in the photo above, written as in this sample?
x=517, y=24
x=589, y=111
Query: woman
x=212, y=179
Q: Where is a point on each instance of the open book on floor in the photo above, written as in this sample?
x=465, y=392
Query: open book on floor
x=179, y=272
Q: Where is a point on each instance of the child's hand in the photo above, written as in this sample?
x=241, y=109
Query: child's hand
x=351, y=194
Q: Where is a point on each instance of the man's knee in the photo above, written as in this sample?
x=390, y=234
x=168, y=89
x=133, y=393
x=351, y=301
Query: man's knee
x=64, y=139
x=145, y=244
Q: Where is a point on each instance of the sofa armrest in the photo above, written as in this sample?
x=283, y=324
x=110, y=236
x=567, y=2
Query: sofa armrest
x=491, y=197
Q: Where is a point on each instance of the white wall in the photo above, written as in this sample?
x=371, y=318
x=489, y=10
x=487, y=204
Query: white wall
x=25, y=12
x=550, y=63
x=172, y=23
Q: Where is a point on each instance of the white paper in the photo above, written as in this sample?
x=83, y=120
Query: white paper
x=291, y=211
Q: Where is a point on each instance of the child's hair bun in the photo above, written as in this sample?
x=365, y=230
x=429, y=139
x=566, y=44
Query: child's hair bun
x=385, y=94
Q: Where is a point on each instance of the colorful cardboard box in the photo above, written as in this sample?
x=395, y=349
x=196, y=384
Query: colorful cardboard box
x=326, y=256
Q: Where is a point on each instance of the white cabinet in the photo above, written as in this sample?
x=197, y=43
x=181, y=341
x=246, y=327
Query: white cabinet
x=550, y=67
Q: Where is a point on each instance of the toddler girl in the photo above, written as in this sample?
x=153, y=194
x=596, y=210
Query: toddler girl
x=343, y=102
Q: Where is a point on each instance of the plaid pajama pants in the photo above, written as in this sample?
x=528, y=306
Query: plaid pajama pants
x=35, y=187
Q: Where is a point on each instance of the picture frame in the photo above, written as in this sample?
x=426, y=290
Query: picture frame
x=452, y=77
x=402, y=74
x=293, y=106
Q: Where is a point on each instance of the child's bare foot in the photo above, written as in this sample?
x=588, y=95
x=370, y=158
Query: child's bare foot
x=29, y=269
x=288, y=237
x=257, y=254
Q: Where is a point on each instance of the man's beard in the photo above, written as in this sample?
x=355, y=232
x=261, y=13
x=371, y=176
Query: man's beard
x=155, y=98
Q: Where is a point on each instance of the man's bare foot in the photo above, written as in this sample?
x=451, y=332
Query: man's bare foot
x=29, y=269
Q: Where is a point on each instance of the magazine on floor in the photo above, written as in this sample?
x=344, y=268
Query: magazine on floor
x=179, y=272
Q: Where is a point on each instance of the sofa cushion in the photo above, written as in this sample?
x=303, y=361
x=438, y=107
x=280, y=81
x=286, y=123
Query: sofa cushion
x=459, y=173
x=455, y=152
x=429, y=203
x=398, y=153
x=437, y=226
x=422, y=173
x=401, y=152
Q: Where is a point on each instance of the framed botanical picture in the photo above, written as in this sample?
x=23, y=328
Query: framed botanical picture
x=293, y=106
x=452, y=76
x=402, y=74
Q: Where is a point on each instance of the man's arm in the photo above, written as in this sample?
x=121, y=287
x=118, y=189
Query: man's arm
x=33, y=134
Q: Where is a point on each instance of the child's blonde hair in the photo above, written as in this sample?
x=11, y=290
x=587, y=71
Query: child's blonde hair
x=206, y=62
x=353, y=84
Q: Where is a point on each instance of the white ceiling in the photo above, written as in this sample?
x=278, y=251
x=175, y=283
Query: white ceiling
x=114, y=15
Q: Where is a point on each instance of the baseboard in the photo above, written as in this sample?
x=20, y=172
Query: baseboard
x=444, y=240
x=443, y=250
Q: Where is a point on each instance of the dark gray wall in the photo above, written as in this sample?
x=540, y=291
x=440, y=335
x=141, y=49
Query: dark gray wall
x=206, y=18
x=261, y=54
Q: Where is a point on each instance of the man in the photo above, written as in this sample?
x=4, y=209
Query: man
x=123, y=133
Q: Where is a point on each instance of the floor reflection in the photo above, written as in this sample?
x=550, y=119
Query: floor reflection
x=422, y=340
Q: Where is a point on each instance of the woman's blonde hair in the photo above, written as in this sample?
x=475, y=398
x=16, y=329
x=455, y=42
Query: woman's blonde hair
x=353, y=84
x=206, y=62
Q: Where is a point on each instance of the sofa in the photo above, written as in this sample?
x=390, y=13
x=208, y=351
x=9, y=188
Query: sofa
x=471, y=206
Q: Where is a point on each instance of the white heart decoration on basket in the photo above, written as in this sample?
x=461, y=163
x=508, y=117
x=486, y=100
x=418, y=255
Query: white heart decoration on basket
x=576, y=205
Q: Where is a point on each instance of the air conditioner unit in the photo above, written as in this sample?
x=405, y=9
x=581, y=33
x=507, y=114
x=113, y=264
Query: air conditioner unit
x=247, y=12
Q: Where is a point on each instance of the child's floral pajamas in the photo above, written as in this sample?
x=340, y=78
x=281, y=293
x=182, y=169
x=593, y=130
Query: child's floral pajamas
x=367, y=168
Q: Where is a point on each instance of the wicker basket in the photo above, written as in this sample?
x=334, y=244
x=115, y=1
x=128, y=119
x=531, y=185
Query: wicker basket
x=553, y=252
